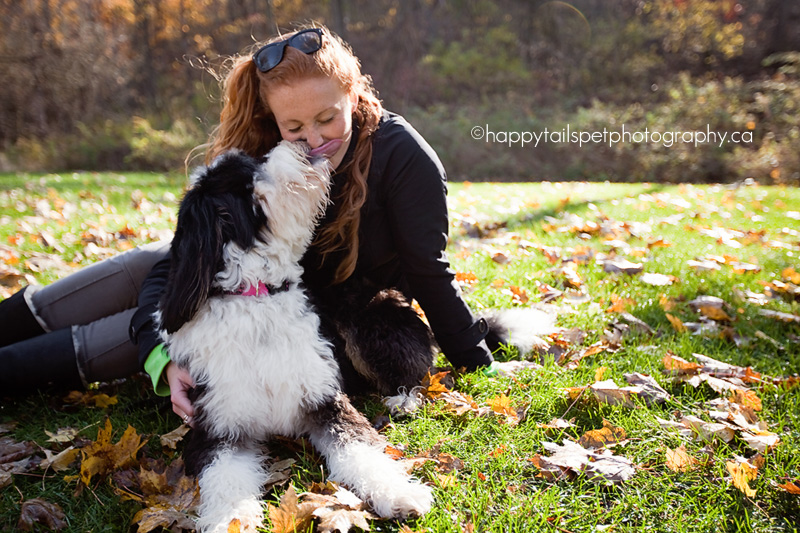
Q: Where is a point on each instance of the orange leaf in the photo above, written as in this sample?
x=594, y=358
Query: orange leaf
x=748, y=398
x=598, y=438
x=599, y=373
x=679, y=460
x=679, y=365
x=676, y=322
x=433, y=385
x=791, y=488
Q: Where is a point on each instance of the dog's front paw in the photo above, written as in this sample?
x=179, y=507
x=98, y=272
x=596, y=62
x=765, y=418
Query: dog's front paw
x=246, y=516
x=404, y=403
x=410, y=499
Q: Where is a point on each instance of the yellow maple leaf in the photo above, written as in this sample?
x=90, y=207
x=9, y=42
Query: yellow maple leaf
x=101, y=457
x=679, y=460
x=743, y=474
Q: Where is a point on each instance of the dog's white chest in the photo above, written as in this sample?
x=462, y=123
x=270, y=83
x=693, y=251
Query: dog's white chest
x=262, y=360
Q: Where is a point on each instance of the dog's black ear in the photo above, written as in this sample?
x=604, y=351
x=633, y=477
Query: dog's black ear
x=196, y=250
x=219, y=209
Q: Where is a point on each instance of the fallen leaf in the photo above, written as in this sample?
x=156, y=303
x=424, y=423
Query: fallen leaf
x=62, y=435
x=572, y=458
x=598, y=438
x=290, y=516
x=39, y=512
x=170, y=440
x=777, y=315
x=742, y=474
x=679, y=460
x=791, y=487
x=100, y=458
x=676, y=322
x=432, y=385
x=60, y=461
x=501, y=405
x=657, y=280
x=622, y=266
x=650, y=390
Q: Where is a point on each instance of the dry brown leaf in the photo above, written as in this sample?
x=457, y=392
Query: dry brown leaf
x=62, y=435
x=170, y=440
x=676, y=322
x=341, y=520
x=610, y=393
x=748, y=398
x=571, y=458
x=39, y=512
x=458, y=403
x=622, y=266
x=290, y=516
x=707, y=431
x=679, y=365
x=650, y=390
x=91, y=399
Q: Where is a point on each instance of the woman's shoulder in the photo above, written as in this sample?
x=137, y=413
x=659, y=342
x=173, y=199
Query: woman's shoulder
x=397, y=140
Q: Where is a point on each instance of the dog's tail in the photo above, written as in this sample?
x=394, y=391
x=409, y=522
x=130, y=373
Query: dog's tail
x=522, y=328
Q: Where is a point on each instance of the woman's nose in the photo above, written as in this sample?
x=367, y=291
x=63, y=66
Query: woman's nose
x=314, y=139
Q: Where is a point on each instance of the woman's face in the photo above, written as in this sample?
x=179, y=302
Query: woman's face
x=318, y=111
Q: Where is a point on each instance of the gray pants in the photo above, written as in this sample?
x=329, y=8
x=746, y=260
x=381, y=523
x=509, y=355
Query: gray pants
x=97, y=302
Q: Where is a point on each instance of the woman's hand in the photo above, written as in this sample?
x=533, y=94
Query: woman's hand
x=180, y=381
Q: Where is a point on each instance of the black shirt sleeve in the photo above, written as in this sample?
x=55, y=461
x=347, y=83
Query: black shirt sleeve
x=142, y=330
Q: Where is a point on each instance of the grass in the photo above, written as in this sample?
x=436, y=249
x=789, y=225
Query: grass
x=497, y=488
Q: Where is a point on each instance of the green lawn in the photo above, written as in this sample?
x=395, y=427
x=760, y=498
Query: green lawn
x=547, y=244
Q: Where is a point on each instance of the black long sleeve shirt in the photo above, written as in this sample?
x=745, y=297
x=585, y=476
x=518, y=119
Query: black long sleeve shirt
x=402, y=238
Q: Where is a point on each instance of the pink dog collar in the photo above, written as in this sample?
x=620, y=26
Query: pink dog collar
x=261, y=289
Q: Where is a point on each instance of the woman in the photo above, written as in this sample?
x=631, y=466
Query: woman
x=387, y=226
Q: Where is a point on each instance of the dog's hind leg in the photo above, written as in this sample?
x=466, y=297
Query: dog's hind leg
x=388, y=343
x=354, y=452
x=230, y=488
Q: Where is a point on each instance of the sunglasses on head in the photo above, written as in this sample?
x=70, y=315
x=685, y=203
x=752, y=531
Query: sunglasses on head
x=268, y=56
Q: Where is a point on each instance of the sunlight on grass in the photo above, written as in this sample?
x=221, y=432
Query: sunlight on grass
x=514, y=245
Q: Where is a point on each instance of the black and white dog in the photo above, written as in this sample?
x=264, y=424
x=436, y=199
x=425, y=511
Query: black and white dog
x=265, y=360
x=236, y=317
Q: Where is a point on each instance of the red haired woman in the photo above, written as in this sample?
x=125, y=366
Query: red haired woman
x=386, y=226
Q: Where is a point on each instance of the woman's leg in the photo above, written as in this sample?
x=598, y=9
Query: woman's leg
x=96, y=291
x=94, y=307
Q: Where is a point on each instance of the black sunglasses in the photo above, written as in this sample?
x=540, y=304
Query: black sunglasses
x=268, y=56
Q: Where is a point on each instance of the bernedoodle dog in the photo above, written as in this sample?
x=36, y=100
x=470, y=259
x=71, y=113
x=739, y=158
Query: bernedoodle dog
x=236, y=316
x=266, y=360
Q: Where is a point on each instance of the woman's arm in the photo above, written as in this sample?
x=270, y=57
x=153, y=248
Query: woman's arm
x=416, y=205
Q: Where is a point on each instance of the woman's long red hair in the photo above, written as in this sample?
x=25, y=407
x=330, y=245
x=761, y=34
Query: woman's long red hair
x=247, y=123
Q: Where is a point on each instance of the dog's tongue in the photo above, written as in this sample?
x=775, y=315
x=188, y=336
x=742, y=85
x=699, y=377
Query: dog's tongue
x=328, y=149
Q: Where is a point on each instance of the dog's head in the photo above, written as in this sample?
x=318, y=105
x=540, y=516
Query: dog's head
x=235, y=204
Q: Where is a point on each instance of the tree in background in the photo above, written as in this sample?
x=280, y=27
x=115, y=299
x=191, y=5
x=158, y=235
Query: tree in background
x=133, y=83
